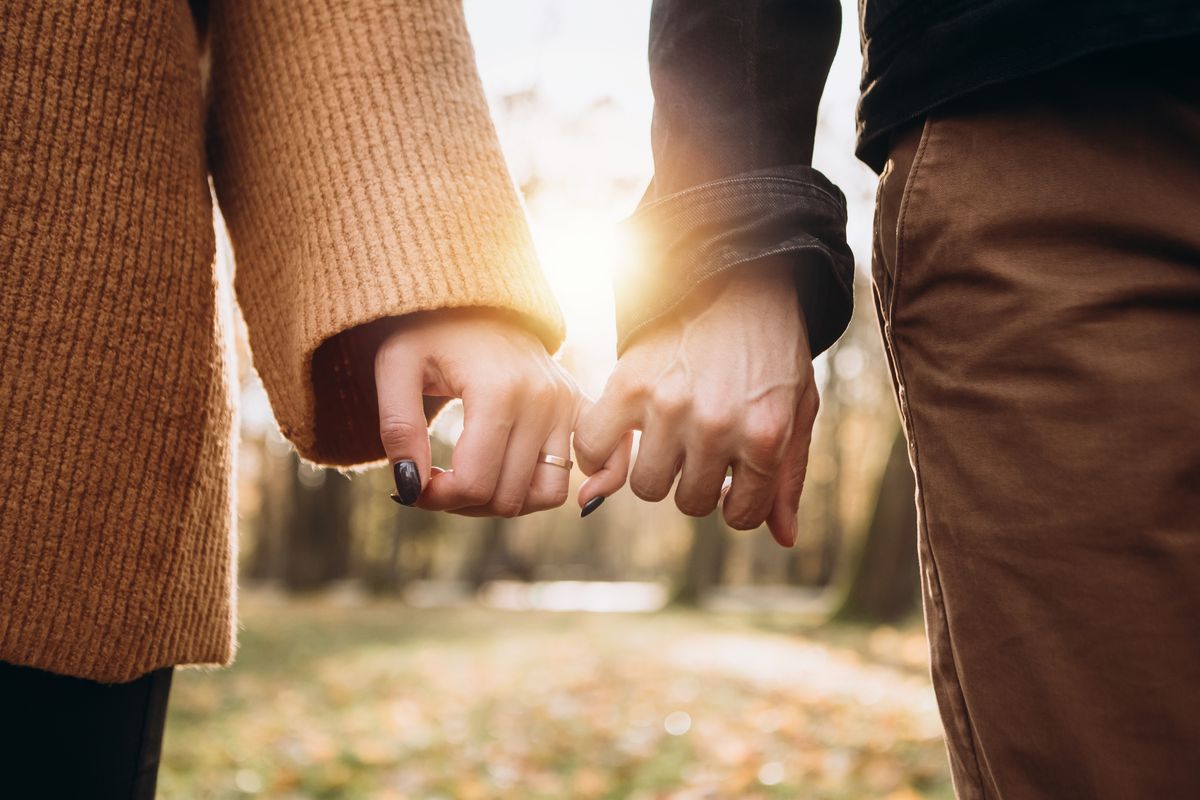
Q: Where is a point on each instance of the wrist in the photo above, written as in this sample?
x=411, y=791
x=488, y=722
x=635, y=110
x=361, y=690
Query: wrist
x=766, y=286
x=481, y=321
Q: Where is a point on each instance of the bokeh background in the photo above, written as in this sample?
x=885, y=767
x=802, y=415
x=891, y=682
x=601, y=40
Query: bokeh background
x=393, y=653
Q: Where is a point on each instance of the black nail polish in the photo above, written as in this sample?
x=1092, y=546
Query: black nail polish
x=408, y=482
x=591, y=505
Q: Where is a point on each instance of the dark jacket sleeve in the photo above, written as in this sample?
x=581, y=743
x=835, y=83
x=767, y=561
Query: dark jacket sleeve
x=736, y=88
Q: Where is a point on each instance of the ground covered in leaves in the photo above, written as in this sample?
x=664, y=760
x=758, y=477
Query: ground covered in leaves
x=376, y=700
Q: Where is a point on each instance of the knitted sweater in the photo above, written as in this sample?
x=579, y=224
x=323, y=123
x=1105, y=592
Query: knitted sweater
x=355, y=164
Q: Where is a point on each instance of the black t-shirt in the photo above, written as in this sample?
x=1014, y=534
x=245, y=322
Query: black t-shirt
x=920, y=54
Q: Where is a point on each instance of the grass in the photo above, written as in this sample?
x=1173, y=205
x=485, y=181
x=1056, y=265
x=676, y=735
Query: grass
x=382, y=701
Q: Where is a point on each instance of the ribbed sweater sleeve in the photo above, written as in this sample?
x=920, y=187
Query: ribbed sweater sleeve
x=361, y=178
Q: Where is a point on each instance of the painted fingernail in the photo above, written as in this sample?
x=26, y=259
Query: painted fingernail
x=591, y=505
x=408, y=482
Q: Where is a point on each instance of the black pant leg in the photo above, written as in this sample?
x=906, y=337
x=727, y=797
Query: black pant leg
x=63, y=737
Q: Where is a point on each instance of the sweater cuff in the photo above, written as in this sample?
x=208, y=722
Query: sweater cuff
x=361, y=178
x=686, y=238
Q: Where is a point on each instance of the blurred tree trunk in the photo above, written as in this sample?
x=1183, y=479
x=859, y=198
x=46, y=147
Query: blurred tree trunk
x=410, y=550
x=830, y=487
x=598, y=550
x=316, y=539
x=494, y=559
x=262, y=560
x=706, y=560
x=886, y=582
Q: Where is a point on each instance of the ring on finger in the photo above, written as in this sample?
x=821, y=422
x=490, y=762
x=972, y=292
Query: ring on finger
x=555, y=461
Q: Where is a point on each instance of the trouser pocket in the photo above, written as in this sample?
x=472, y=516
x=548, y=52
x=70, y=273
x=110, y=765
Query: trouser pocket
x=898, y=174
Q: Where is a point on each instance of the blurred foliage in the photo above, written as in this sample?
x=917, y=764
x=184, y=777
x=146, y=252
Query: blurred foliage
x=373, y=700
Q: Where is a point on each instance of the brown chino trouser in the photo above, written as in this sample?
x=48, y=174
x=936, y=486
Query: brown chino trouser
x=1037, y=276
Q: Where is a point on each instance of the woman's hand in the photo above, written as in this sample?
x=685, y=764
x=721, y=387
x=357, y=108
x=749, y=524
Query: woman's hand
x=726, y=381
x=517, y=402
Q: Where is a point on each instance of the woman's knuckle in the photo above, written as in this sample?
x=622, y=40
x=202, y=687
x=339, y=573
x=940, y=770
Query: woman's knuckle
x=557, y=496
x=508, y=506
x=567, y=385
x=505, y=386
x=476, y=493
x=543, y=393
x=397, y=431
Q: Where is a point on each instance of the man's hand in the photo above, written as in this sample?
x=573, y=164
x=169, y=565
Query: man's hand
x=726, y=381
x=517, y=403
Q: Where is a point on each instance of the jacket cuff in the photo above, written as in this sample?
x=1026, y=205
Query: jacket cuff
x=686, y=238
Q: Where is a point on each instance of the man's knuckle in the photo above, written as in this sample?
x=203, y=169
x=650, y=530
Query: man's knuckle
x=694, y=507
x=810, y=402
x=589, y=450
x=765, y=443
x=649, y=490
x=742, y=520
x=712, y=425
x=669, y=402
x=621, y=378
x=581, y=443
x=765, y=432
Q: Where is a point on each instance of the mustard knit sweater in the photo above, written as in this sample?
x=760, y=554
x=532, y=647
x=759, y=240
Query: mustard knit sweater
x=351, y=152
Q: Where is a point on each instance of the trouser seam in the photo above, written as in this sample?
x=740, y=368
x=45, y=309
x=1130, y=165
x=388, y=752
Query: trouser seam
x=910, y=425
x=904, y=402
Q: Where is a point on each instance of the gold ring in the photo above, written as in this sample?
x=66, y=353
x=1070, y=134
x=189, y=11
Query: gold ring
x=556, y=461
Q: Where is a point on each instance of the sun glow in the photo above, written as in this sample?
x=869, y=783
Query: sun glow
x=570, y=93
x=579, y=252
